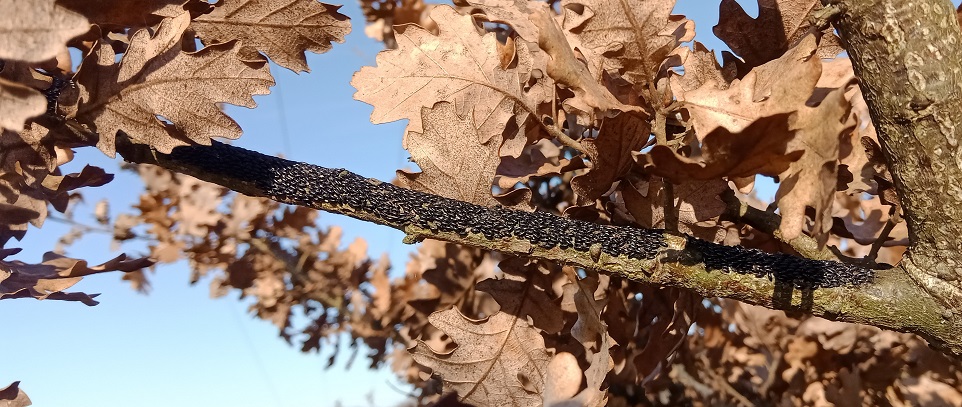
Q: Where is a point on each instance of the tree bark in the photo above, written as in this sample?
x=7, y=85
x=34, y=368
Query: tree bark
x=907, y=55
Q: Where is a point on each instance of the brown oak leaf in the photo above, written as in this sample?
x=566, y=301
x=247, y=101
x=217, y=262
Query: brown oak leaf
x=155, y=79
x=632, y=39
x=610, y=155
x=500, y=360
x=779, y=26
x=19, y=103
x=282, y=29
x=453, y=163
x=131, y=13
x=57, y=273
x=37, y=30
x=462, y=67
x=14, y=396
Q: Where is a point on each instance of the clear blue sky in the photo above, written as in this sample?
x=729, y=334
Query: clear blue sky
x=176, y=346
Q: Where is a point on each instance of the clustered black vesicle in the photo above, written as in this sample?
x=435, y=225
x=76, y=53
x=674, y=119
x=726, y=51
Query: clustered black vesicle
x=781, y=267
x=309, y=185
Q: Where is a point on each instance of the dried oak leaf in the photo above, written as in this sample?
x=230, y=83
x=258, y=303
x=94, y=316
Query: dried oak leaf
x=780, y=86
x=130, y=13
x=282, y=29
x=57, y=273
x=30, y=180
x=632, y=39
x=19, y=103
x=700, y=67
x=155, y=79
x=453, y=163
x=13, y=396
x=462, y=67
x=610, y=155
x=695, y=203
x=779, y=26
x=541, y=159
x=511, y=12
x=500, y=360
x=37, y=30
x=521, y=297
x=811, y=180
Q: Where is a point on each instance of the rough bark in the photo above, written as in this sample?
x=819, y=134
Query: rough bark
x=908, y=58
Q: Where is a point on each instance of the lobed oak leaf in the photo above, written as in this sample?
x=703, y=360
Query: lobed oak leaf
x=514, y=13
x=541, y=159
x=500, y=360
x=591, y=99
x=453, y=163
x=462, y=67
x=779, y=26
x=57, y=273
x=811, y=181
x=155, y=79
x=632, y=39
x=521, y=297
x=610, y=155
x=700, y=66
x=19, y=103
x=780, y=86
x=37, y=30
x=281, y=29
x=131, y=13
x=760, y=148
x=13, y=396
x=695, y=203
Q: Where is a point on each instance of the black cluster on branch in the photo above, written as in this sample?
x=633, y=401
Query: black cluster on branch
x=342, y=191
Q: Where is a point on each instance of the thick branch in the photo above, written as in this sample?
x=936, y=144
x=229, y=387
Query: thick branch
x=885, y=298
x=908, y=58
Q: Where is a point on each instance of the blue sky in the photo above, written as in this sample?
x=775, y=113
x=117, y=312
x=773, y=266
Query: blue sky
x=176, y=346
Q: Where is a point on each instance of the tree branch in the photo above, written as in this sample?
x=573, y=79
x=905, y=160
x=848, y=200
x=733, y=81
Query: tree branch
x=884, y=298
x=908, y=58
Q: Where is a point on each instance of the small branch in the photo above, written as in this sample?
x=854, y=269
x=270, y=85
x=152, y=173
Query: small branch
x=884, y=298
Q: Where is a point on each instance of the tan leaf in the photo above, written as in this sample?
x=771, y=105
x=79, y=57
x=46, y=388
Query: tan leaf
x=13, y=396
x=19, y=103
x=155, y=79
x=56, y=274
x=37, y=30
x=760, y=148
x=462, y=67
x=511, y=12
x=811, y=180
x=128, y=13
x=592, y=99
x=633, y=39
x=521, y=297
x=282, y=29
x=611, y=155
x=779, y=26
x=495, y=359
x=537, y=160
x=780, y=86
x=453, y=163
x=695, y=202
x=700, y=66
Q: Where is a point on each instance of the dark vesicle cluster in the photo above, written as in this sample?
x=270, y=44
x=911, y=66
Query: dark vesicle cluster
x=800, y=272
x=310, y=185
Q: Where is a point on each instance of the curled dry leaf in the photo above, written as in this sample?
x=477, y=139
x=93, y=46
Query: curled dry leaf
x=453, y=162
x=37, y=30
x=282, y=29
x=780, y=86
x=700, y=66
x=462, y=67
x=131, y=13
x=811, y=180
x=631, y=39
x=49, y=279
x=155, y=81
x=19, y=103
x=500, y=360
x=13, y=396
x=695, y=202
x=610, y=155
x=523, y=297
x=779, y=26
